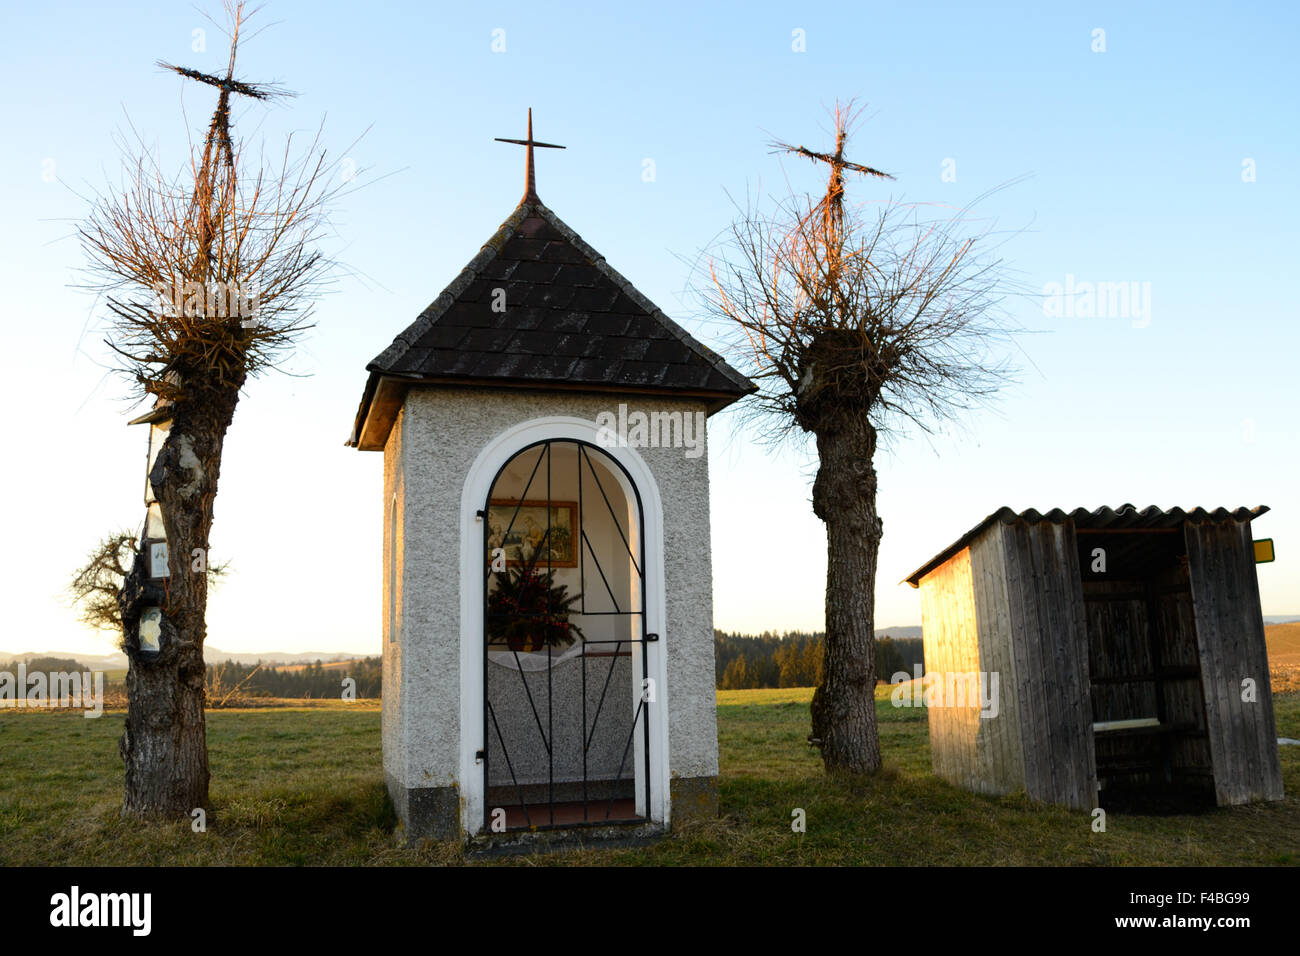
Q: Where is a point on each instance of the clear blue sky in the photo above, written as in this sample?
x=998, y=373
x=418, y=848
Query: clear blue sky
x=1135, y=162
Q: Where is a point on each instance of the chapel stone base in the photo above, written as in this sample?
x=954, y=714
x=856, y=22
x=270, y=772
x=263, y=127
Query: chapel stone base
x=427, y=813
x=433, y=813
x=695, y=799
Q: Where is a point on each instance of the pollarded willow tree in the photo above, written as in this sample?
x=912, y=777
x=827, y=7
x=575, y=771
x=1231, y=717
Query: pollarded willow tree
x=208, y=277
x=856, y=322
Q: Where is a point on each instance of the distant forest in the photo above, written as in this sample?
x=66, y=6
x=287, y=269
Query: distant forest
x=315, y=681
x=794, y=659
x=46, y=665
x=741, y=661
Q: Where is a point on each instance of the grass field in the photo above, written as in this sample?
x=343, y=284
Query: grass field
x=303, y=785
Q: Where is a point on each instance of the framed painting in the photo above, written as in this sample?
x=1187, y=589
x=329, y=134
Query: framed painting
x=523, y=538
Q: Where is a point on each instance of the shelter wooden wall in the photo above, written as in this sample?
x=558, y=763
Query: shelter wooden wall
x=949, y=636
x=1011, y=604
x=1050, y=659
x=966, y=635
x=999, y=747
x=1230, y=631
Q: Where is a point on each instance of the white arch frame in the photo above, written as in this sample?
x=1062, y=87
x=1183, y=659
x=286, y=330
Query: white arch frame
x=478, y=484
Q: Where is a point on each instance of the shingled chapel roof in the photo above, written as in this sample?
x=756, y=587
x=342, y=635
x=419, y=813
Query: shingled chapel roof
x=568, y=320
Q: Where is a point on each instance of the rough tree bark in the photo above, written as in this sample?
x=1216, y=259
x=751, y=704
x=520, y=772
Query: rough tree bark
x=164, y=745
x=844, y=497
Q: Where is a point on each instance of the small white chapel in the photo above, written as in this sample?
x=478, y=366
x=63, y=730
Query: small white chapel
x=547, y=619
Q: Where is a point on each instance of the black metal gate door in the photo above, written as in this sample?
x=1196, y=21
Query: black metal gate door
x=566, y=676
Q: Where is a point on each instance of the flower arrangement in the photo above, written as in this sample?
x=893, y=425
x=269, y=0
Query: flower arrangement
x=528, y=611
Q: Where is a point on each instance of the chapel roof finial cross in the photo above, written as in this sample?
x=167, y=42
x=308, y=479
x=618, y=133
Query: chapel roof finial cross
x=530, y=190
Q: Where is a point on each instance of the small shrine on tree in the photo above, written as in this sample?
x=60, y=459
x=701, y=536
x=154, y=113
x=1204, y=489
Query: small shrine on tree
x=547, y=620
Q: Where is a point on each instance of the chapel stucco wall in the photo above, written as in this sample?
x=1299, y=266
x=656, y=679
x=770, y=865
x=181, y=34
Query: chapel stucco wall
x=428, y=456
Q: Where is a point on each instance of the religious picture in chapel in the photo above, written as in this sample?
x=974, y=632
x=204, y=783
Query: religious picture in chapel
x=521, y=529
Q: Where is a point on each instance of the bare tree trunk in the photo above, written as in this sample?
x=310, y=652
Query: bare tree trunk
x=164, y=744
x=844, y=496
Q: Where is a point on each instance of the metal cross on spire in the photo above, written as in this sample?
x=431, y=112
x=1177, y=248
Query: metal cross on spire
x=530, y=191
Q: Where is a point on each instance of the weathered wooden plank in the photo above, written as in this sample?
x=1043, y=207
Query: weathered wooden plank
x=1204, y=581
x=1118, y=648
x=936, y=659
x=1085, y=746
x=1053, y=641
x=999, y=748
x=1013, y=748
x=1230, y=637
x=1241, y=663
x=1183, y=696
x=1235, y=719
x=1051, y=638
x=1037, y=642
x=1028, y=688
x=1265, y=760
x=950, y=641
x=1025, y=691
x=1074, y=643
x=933, y=627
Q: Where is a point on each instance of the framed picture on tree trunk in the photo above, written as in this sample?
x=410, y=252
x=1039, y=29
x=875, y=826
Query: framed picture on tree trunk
x=523, y=530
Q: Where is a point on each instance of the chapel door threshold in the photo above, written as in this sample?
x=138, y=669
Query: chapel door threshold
x=629, y=833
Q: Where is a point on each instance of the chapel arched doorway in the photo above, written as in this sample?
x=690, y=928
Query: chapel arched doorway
x=566, y=700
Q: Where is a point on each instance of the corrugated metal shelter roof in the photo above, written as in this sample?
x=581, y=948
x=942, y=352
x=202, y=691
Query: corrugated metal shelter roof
x=1125, y=517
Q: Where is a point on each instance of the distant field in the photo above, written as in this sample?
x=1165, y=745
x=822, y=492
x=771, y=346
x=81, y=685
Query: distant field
x=1283, y=656
x=303, y=784
x=1283, y=643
